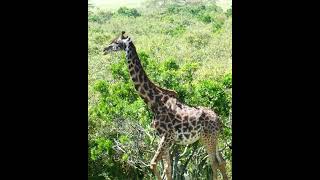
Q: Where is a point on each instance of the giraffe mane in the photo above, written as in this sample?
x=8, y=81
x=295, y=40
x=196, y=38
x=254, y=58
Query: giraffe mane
x=167, y=91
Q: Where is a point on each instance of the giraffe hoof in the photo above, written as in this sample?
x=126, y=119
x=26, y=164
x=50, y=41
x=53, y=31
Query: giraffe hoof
x=153, y=166
x=222, y=163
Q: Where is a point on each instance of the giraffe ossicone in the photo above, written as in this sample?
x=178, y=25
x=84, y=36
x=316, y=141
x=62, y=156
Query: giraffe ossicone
x=174, y=121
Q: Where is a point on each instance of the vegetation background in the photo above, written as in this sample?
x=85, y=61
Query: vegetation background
x=184, y=45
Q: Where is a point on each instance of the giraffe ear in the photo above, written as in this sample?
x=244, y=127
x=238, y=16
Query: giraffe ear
x=122, y=35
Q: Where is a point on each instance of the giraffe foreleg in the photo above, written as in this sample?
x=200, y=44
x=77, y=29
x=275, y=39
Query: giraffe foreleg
x=167, y=164
x=153, y=165
x=162, y=147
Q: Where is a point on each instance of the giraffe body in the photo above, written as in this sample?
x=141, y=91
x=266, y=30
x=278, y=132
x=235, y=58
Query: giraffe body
x=187, y=124
x=173, y=121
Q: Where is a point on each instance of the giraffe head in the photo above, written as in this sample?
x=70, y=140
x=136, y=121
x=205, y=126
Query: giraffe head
x=119, y=43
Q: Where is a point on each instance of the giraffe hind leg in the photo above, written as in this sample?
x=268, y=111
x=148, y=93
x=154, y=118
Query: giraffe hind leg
x=221, y=165
x=209, y=143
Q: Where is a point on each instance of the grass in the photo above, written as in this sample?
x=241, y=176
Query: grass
x=115, y=4
x=224, y=4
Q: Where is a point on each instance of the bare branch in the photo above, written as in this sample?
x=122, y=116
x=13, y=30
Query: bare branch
x=118, y=146
x=188, y=160
x=185, y=150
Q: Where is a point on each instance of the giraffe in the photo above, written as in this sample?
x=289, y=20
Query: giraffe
x=173, y=121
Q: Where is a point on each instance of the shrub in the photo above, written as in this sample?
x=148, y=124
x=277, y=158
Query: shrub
x=205, y=17
x=176, y=30
x=173, y=9
x=216, y=25
x=100, y=16
x=229, y=12
x=124, y=11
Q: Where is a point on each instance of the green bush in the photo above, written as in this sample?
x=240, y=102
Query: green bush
x=206, y=18
x=100, y=16
x=229, y=12
x=227, y=80
x=212, y=94
x=196, y=10
x=173, y=9
x=124, y=11
x=176, y=30
x=216, y=25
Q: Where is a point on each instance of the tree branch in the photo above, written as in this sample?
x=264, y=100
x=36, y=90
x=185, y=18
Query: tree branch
x=184, y=167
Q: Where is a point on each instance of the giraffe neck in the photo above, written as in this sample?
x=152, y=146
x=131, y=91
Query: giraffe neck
x=145, y=88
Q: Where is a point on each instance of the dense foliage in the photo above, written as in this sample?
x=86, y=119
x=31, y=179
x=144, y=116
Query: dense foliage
x=183, y=48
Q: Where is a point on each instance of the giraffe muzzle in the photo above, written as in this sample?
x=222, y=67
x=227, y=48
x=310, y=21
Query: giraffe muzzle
x=107, y=50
